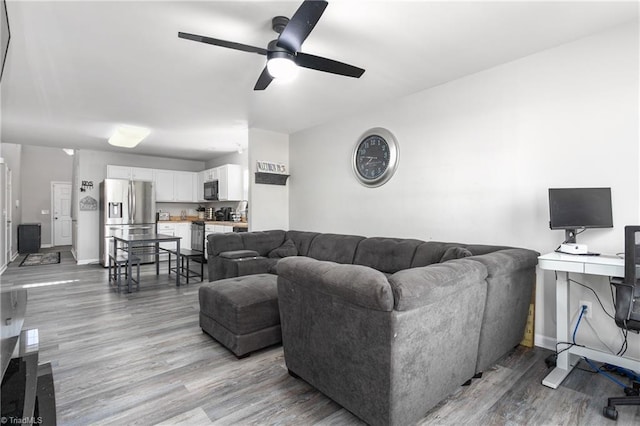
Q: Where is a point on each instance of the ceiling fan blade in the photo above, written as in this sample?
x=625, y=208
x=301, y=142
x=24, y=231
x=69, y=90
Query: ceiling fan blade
x=223, y=43
x=301, y=24
x=327, y=65
x=264, y=80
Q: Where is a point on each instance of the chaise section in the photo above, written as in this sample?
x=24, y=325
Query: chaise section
x=385, y=349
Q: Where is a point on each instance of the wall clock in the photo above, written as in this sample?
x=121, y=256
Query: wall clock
x=375, y=157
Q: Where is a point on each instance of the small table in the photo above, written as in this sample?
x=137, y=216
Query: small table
x=133, y=240
x=563, y=264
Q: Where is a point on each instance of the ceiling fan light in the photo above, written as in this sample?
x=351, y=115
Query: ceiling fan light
x=128, y=136
x=282, y=69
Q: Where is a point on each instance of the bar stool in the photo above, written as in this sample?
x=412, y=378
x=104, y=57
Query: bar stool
x=120, y=263
x=185, y=270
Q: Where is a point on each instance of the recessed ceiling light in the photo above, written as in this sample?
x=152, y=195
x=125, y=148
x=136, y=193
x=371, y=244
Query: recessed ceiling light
x=128, y=136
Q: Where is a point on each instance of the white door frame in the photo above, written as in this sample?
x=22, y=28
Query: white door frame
x=52, y=211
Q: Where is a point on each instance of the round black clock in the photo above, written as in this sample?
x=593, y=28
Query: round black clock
x=375, y=157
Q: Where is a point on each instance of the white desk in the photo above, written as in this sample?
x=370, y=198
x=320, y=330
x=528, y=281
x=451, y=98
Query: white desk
x=563, y=264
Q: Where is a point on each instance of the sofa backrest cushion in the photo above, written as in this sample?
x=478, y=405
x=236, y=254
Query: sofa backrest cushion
x=219, y=243
x=288, y=248
x=432, y=252
x=455, y=253
x=429, y=253
x=334, y=247
x=302, y=240
x=387, y=255
x=263, y=241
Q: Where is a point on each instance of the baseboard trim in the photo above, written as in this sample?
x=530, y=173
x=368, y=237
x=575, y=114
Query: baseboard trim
x=87, y=261
x=46, y=245
x=545, y=342
x=4, y=268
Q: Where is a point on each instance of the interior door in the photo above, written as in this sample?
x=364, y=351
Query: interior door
x=62, y=214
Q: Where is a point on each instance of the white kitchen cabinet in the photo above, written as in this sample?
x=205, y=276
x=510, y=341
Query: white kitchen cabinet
x=183, y=230
x=131, y=173
x=184, y=186
x=229, y=182
x=175, y=186
x=167, y=229
x=118, y=172
x=200, y=187
x=210, y=175
x=140, y=173
x=164, y=185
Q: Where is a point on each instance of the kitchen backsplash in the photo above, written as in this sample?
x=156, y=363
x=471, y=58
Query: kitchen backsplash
x=175, y=209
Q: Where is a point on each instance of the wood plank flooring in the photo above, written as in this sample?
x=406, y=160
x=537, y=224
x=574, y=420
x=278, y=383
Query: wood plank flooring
x=141, y=358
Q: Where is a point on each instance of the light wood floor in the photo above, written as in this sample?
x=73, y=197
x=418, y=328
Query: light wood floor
x=141, y=358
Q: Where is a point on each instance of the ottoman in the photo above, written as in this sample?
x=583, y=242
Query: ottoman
x=241, y=312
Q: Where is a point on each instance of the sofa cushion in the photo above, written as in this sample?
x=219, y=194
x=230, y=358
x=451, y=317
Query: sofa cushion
x=302, y=240
x=288, y=248
x=238, y=254
x=334, y=247
x=387, y=255
x=455, y=253
x=429, y=253
x=262, y=241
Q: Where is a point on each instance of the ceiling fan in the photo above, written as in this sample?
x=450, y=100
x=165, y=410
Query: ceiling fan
x=283, y=54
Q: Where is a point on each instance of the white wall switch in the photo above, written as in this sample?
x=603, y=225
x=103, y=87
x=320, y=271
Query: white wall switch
x=44, y=212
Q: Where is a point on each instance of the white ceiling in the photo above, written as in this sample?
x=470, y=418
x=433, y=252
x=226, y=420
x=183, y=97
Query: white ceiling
x=77, y=69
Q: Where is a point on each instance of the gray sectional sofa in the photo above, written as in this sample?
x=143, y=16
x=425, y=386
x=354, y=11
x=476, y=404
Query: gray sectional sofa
x=386, y=327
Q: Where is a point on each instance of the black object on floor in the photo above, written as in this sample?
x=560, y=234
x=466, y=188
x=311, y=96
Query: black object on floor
x=29, y=238
x=34, y=259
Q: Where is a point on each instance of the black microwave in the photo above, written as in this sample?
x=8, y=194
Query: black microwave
x=211, y=190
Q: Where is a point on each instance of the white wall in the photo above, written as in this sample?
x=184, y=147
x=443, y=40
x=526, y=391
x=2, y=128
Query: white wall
x=478, y=154
x=41, y=166
x=269, y=204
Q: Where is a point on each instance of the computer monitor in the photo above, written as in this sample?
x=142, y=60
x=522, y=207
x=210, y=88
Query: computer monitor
x=572, y=209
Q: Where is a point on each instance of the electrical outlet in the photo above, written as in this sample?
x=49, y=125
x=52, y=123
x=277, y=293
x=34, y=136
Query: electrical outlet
x=587, y=313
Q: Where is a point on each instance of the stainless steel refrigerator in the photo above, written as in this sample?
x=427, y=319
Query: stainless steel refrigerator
x=126, y=206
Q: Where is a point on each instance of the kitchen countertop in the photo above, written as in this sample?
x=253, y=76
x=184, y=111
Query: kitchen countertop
x=207, y=222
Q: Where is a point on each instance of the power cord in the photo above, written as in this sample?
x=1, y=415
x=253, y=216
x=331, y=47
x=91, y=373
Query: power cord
x=599, y=370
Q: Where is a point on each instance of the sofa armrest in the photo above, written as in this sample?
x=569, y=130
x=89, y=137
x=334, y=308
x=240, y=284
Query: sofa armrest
x=358, y=285
x=425, y=285
x=507, y=261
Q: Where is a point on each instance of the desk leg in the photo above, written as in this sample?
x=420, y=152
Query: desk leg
x=177, y=260
x=566, y=361
x=129, y=271
x=157, y=258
